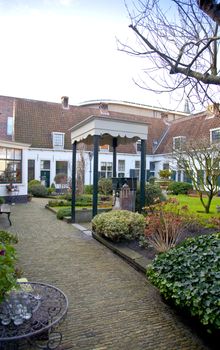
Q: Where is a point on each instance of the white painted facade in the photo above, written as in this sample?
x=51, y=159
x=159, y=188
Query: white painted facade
x=53, y=156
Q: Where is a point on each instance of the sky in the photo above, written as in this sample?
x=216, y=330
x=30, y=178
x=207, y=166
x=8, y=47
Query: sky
x=55, y=48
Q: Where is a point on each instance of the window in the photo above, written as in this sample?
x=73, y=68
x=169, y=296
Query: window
x=10, y=126
x=106, y=169
x=178, y=142
x=44, y=165
x=31, y=169
x=186, y=178
x=121, y=168
x=58, y=139
x=138, y=146
x=61, y=167
x=200, y=177
x=137, y=168
x=215, y=135
x=150, y=172
x=10, y=165
x=166, y=166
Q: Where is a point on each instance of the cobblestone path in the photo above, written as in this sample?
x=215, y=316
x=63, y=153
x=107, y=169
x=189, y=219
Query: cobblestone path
x=111, y=305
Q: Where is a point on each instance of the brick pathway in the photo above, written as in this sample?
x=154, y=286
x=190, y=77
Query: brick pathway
x=111, y=305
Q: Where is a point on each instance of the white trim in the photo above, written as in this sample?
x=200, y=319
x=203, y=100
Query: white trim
x=109, y=128
x=131, y=104
x=11, y=144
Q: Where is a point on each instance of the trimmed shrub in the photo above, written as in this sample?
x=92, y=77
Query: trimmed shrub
x=105, y=186
x=188, y=275
x=58, y=203
x=153, y=194
x=119, y=224
x=61, y=179
x=2, y=201
x=88, y=189
x=38, y=191
x=34, y=182
x=84, y=200
x=63, y=212
x=179, y=187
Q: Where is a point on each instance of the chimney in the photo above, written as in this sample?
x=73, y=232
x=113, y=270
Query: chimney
x=164, y=117
x=65, y=102
x=103, y=108
x=214, y=109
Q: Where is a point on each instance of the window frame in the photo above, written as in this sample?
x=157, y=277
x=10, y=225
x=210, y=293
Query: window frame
x=105, y=171
x=59, y=134
x=211, y=135
x=182, y=141
x=13, y=160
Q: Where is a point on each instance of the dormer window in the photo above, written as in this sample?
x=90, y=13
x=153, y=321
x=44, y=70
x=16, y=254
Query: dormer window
x=215, y=135
x=178, y=142
x=58, y=140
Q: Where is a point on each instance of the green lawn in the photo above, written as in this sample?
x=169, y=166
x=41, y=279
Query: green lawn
x=195, y=205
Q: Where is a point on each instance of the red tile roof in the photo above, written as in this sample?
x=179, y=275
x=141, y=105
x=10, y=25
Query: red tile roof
x=192, y=127
x=36, y=120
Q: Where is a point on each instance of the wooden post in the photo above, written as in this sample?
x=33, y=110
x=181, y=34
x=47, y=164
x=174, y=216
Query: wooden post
x=73, y=204
x=95, y=174
x=114, y=145
x=143, y=171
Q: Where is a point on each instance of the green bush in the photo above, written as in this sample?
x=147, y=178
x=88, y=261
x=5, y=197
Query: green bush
x=153, y=194
x=2, y=201
x=88, y=189
x=179, y=187
x=119, y=224
x=50, y=190
x=105, y=186
x=189, y=275
x=34, y=182
x=58, y=203
x=63, y=212
x=8, y=238
x=8, y=276
x=165, y=174
x=84, y=200
x=38, y=191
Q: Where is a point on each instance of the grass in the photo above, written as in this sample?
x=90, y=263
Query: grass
x=195, y=206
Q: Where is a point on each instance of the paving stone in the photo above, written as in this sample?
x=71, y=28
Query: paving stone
x=111, y=305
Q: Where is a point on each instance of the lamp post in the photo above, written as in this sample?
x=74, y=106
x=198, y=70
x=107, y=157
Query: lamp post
x=90, y=166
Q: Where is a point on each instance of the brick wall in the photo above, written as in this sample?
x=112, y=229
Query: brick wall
x=6, y=110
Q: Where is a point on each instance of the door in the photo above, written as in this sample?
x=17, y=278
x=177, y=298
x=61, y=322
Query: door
x=45, y=177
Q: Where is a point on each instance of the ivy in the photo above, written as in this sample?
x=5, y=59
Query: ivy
x=189, y=275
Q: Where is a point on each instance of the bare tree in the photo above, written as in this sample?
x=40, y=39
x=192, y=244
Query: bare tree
x=200, y=161
x=81, y=170
x=179, y=43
